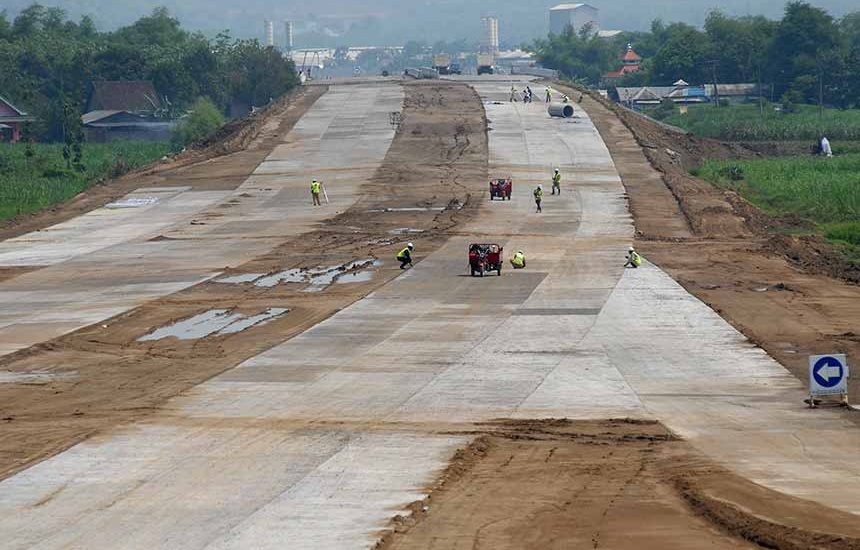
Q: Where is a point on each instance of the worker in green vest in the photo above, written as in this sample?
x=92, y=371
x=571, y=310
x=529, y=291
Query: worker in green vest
x=538, y=193
x=316, y=187
x=634, y=260
x=556, y=182
x=405, y=256
x=519, y=260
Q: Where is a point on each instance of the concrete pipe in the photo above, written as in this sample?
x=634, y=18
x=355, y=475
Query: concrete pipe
x=563, y=110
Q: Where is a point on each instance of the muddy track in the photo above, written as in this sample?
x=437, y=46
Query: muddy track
x=101, y=376
x=616, y=484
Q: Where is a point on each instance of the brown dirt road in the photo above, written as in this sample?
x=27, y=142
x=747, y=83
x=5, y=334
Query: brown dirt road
x=614, y=484
x=776, y=290
x=105, y=377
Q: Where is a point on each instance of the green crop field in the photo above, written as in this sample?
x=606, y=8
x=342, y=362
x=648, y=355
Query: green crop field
x=30, y=184
x=826, y=192
x=746, y=123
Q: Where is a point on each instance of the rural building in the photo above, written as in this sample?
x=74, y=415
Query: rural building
x=125, y=110
x=105, y=126
x=738, y=93
x=684, y=94
x=12, y=120
x=572, y=15
x=134, y=96
x=631, y=62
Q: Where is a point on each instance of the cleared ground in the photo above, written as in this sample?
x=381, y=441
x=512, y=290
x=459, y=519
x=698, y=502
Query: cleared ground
x=318, y=441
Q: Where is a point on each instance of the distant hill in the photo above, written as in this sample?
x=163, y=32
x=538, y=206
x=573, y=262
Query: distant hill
x=354, y=22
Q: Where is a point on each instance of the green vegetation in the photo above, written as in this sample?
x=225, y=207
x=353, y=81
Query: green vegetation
x=48, y=62
x=750, y=123
x=826, y=192
x=29, y=182
x=203, y=120
x=803, y=54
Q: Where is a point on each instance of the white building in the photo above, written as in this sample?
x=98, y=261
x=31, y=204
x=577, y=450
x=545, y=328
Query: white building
x=573, y=15
x=490, y=42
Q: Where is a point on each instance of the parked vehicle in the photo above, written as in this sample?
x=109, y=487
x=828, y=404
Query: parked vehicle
x=501, y=188
x=485, y=257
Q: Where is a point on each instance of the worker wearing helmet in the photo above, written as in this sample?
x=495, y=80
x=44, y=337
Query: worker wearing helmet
x=519, y=260
x=556, y=182
x=634, y=260
x=316, y=187
x=405, y=256
x=538, y=193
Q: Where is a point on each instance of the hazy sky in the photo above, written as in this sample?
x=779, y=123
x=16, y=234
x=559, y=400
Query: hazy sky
x=396, y=21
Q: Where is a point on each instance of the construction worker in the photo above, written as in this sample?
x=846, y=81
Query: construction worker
x=405, y=256
x=556, y=182
x=316, y=187
x=538, y=193
x=518, y=260
x=548, y=94
x=634, y=260
x=513, y=94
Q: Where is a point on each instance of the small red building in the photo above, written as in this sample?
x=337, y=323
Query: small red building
x=12, y=120
x=631, y=63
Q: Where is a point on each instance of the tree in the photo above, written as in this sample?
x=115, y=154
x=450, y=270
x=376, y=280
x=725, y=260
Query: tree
x=683, y=55
x=201, y=123
x=805, y=38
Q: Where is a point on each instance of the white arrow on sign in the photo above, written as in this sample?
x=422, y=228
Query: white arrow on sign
x=828, y=373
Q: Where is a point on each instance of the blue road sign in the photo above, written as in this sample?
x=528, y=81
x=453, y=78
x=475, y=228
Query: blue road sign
x=828, y=374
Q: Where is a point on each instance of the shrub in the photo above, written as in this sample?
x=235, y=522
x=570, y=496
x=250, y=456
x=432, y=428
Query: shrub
x=202, y=121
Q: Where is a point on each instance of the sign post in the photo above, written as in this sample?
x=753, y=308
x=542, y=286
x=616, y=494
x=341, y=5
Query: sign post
x=828, y=375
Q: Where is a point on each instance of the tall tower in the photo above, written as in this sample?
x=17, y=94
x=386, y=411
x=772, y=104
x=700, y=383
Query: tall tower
x=288, y=35
x=490, y=42
x=270, y=33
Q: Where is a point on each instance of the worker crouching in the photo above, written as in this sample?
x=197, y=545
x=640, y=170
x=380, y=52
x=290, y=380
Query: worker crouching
x=405, y=256
x=518, y=261
x=634, y=260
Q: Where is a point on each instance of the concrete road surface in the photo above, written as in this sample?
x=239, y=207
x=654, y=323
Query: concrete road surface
x=160, y=240
x=319, y=441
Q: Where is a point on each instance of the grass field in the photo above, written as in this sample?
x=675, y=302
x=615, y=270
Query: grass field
x=745, y=123
x=27, y=185
x=825, y=192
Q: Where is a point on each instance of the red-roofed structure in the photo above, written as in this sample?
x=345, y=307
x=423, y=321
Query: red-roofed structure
x=631, y=63
x=12, y=120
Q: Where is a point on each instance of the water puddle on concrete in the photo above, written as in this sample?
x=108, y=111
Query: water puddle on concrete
x=132, y=202
x=405, y=231
x=239, y=279
x=316, y=279
x=217, y=322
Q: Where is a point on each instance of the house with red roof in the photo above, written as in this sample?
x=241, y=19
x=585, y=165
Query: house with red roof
x=631, y=62
x=12, y=120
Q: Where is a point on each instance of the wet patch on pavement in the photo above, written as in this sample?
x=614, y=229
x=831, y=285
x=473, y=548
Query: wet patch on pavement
x=214, y=322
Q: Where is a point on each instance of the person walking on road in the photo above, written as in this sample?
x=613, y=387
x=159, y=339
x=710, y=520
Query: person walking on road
x=405, y=256
x=634, y=260
x=556, y=182
x=538, y=193
x=548, y=94
x=519, y=260
x=316, y=187
x=513, y=94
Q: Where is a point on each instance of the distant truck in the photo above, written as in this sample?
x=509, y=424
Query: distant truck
x=486, y=63
x=442, y=63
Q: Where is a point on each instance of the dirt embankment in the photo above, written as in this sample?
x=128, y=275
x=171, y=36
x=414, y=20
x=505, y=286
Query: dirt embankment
x=222, y=162
x=101, y=376
x=615, y=484
x=775, y=289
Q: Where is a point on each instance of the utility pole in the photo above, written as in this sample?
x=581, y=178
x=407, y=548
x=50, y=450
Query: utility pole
x=713, y=63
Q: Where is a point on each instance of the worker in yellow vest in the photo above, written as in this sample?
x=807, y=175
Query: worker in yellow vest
x=519, y=260
x=316, y=187
x=634, y=260
x=556, y=182
x=538, y=193
x=405, y=256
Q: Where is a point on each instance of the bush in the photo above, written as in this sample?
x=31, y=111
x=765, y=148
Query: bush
x=848, y=232
x=202, y=121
